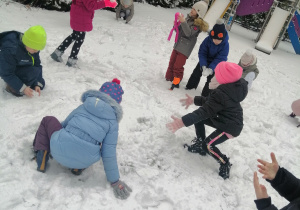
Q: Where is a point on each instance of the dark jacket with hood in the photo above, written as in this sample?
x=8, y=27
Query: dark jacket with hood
x=222, y=107
x=288, y=186
x=188, y=34
x=19, y=68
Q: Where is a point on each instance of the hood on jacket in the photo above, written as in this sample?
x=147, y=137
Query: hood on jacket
x=203, y=25
x=91, y=98
x=252, y=66
x=237, y=91
x=11, y=39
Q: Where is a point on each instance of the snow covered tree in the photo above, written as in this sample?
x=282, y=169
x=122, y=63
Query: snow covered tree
x=58, y=5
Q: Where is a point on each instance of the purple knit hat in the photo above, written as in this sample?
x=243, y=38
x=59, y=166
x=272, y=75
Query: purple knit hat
x=113, y=89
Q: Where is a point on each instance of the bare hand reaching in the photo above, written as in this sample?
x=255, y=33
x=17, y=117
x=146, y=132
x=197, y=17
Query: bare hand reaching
x=187, y=101
x=260, y=190
x=28, y=92
x=269, y=170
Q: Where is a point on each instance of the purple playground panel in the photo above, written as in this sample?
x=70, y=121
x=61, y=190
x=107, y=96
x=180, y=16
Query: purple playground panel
x=296, y=21
x=248, y=7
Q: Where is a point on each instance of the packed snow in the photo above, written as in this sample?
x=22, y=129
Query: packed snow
x=152, y=160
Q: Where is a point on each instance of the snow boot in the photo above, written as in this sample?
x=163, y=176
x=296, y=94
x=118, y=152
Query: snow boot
x=224, y=170
x=12, y=91
x=175, y=83
x=42, y=157
x=72, y=62
x=76, y=172
x=56, y=55
x=196, y=147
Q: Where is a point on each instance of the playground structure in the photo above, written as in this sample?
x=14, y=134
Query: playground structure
x=277, y=21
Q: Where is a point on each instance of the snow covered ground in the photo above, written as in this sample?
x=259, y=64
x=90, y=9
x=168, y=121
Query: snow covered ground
x=162, y=174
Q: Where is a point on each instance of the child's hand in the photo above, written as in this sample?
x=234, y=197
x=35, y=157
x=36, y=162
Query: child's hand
x=121, y=190
x=175, y=125
x=207, y=71
x=269, y=170
x=187, y=101
x=181, y=18
x=260, y=190
x=28, y=92
x=38, y=90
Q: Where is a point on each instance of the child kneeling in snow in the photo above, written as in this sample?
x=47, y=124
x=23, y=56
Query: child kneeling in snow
x=88, y=134
x=248, y=62
x=125, y=10
x=221, y=110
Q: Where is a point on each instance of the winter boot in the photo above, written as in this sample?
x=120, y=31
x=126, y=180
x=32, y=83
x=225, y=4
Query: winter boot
x=72, y=62
x=76, y=172
x=175, y=83
x=42, y=157
x=196, y=147
x=56, y=55
x=224, y=170
x=292, y=115
x=12, y=91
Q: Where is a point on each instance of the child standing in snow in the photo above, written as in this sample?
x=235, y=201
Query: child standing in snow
x=213, y=50
x=285, y=183
x=221, y=110
x=248, y=62
x=81, y=18
x=88, y=134
x=295, y=109
x=125, y=10
x=189, y=29
x=20, y=64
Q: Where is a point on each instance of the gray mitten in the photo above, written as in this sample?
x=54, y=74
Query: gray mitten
x=121, y=190
x=203, y=68
x=207, y=71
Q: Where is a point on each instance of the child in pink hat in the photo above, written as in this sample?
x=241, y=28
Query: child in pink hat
x=221, y=109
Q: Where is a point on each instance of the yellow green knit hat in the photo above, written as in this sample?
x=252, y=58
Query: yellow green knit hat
x=35, y=38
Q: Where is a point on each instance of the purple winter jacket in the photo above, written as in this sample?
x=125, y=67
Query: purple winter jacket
x=82, y=14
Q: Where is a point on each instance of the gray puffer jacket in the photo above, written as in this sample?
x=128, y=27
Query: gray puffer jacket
x=188, y=34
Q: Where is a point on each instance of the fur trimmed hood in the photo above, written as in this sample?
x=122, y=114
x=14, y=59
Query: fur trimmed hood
x=106, y=99
x=202, y=24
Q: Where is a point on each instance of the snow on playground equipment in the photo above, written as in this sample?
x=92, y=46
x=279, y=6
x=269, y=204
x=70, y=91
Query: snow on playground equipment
x=276, y=23
x=216, y=10
x=273, y=30
x=270, y=35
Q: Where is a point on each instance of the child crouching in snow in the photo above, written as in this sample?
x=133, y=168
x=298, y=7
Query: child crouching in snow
x=88, y=134
x=248, y=62
x=125, y=10
x=221, y=109
x=189, y=29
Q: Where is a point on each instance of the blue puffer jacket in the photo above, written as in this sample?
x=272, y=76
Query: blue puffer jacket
x=18, y=68
x=89, y=133
x=210, y=55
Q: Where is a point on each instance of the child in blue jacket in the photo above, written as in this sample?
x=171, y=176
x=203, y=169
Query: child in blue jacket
x=213, y=50
x=20, y=64
x=88, y=134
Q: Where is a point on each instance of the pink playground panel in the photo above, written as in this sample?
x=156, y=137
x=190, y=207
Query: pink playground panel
x=248, y=7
